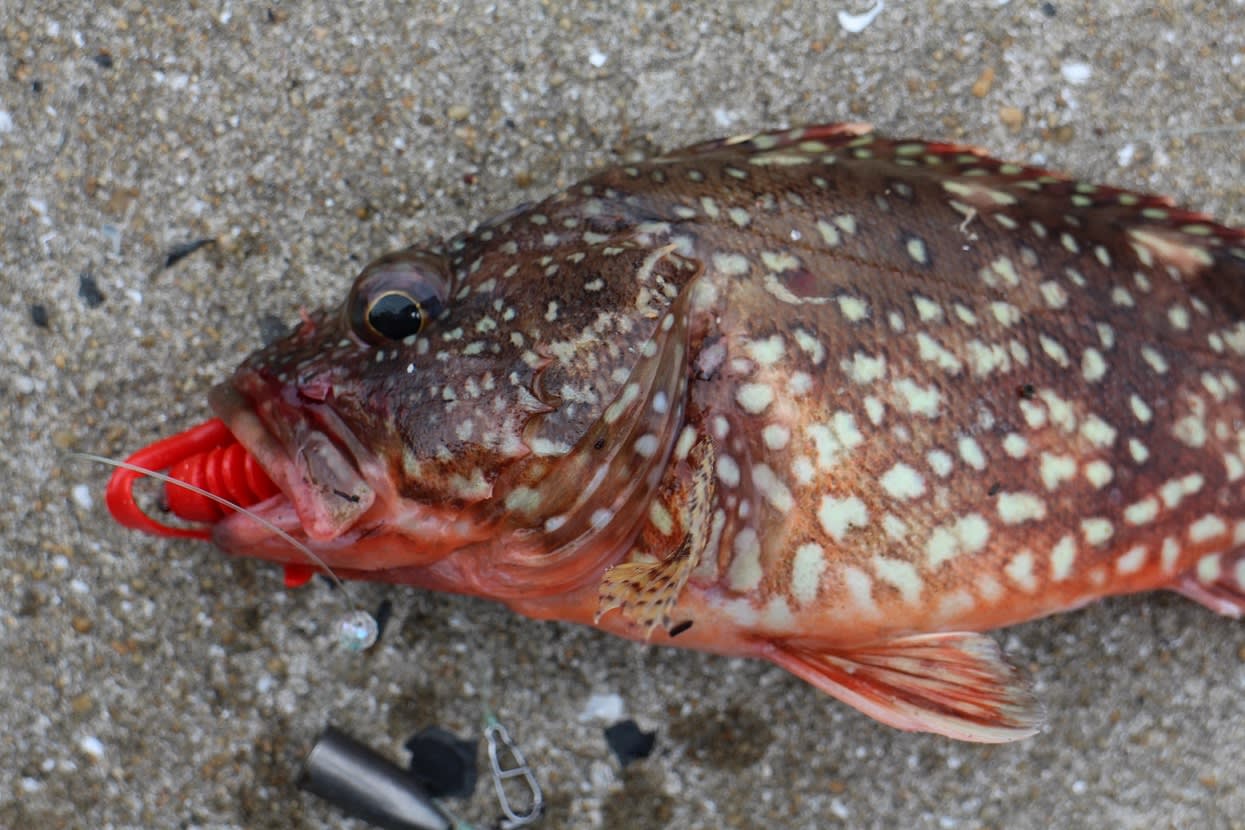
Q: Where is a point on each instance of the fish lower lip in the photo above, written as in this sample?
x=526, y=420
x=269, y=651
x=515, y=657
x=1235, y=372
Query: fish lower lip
x=322, y=483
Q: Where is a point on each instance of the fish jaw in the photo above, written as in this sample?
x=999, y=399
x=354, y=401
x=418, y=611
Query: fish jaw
x=337, y=496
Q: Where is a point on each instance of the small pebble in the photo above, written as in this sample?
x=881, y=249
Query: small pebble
x=91, y=746
x=1075, y=72
x=458, y=112
x=182, y=250
x=1012, y=117
x=981, y=87
x=597, y=59
x=39, y=315
x=82, y=496
x=857, y=23
x=606, y=707
x=88, y=290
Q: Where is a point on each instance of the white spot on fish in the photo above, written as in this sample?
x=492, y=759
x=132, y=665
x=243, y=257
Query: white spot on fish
x=776, y=436
x=1062, y=557
x=968, y=534
x=1016, y=508
x=1132, y=561
x=940, y=462
x=900, y=575
x=1099, y=473
x=807, y=566
x=920, y=400
x=860, y=589
x=744, y=573
x=754, y=398
x=1019, y=569
x=1097, y=531
x=970, y=452
x=1206, y=528
x=839, y=516
x=903, y=482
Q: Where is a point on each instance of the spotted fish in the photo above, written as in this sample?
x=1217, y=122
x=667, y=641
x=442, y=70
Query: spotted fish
x=817, y=396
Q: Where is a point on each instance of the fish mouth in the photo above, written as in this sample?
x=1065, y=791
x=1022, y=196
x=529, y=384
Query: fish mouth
x=328, y=481
x=308, y=491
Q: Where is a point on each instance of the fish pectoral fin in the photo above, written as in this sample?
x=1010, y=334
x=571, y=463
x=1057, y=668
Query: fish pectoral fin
x=1219, y=585
x=956, y=684
x=645, y=592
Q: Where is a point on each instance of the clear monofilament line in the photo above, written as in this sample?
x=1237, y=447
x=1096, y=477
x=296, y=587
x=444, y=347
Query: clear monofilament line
x=360, y=633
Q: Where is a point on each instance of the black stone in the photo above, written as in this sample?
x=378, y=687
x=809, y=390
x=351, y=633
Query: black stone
x=88, y=290
x=39, y=315
x=628, y=742
x=383, y=612
x=179, y=252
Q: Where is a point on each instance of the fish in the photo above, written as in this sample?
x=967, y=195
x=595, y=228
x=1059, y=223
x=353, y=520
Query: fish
x=816, y=396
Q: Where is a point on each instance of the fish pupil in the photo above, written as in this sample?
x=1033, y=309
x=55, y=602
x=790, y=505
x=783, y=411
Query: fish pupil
x=395, y=315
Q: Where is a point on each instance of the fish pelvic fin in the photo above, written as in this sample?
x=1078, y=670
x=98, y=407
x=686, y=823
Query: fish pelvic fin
x=955, y=684
x=647, y=592
x=1217, y=582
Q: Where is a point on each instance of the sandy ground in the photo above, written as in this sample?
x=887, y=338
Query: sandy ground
x=154, y=684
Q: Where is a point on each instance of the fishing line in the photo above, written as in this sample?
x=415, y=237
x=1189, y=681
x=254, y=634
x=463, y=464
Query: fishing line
x=357, y=630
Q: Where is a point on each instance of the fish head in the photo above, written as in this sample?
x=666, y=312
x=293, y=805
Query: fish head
x=415, y=419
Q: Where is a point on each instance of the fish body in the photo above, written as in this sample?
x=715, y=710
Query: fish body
x=817, y=396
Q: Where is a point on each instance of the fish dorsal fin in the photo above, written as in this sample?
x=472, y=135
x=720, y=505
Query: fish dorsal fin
x=830, y=135
x=955, y=684
x=1120, y=225
x=675, y=535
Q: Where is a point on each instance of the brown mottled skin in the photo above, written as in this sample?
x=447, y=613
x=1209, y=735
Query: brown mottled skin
x=835, y=400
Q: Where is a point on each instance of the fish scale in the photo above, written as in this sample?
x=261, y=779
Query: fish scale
x=834, y=400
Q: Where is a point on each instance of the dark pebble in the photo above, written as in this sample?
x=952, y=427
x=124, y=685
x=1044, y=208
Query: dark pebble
x=39, y=315
x=382, y=615
x=1048, y=9
x=103, y=60
x=89, y=291
x=628, y=742
x=179, y=252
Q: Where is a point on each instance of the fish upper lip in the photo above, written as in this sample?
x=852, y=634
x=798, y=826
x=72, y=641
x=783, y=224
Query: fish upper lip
x=312, y=457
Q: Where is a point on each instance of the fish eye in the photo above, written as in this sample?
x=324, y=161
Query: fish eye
x=397, y=296
x=395, y=315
